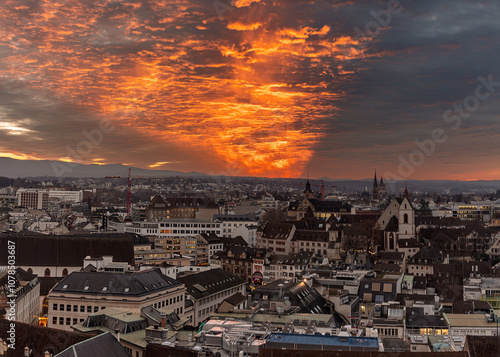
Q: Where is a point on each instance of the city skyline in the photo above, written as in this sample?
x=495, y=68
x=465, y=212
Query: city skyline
x=254, y=87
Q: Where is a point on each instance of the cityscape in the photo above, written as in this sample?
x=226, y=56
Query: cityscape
x=233, y=266
x=249, y=178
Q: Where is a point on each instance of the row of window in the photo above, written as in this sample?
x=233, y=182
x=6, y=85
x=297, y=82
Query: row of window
x=160, y=304
x=193, y=231
x=190, y=225
x=47, y=272
x=205, y=311
x=387, y=331
x=61, y=321
x=75, y=308
x=236, y=224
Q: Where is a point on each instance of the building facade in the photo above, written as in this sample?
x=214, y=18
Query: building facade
x=82, y=293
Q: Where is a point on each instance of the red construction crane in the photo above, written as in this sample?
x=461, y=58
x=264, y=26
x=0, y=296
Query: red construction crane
x=323, y=188
x=129, y=184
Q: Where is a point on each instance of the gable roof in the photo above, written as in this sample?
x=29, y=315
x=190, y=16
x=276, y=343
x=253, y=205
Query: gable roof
x=157, y=202
x=392, y=225
x=275, y=230
x=235, y=299
x=427, y=254
x=330, y=205
x=312, y=236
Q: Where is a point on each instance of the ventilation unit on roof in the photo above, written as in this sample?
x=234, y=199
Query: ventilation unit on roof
x=199, y=288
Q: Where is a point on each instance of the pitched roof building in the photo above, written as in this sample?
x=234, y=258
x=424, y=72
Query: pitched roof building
x=81, y=293
x=207, y=290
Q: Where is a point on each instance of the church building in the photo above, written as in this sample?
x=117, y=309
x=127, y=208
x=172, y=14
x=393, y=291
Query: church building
x=397, y=223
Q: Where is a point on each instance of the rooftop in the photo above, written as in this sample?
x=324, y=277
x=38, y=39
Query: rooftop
x=135, y=283
x=467, y=320
x=323, y=340
x=210, y=282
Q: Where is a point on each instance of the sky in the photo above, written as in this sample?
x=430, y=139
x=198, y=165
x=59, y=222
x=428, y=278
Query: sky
x=275, y=88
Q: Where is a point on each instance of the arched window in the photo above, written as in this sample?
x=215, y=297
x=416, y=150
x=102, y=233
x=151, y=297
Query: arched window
x=391, y=242
x=47, y=272
x=65, y=272
x=405, y=218
x=30, y=271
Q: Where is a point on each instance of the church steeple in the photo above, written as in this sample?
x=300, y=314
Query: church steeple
x=375, y=195
x=307, y=191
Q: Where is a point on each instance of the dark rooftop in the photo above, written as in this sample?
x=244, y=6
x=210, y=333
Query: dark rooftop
x=209, y=282
x=105, y=345
x=67, y=250
x=109, y=283
x=38, y=338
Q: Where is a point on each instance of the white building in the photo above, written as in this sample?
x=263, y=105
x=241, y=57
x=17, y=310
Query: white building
x=231, y=222
x=174, y=228
x=72, y=196
x=470, y=325
x=248, y=233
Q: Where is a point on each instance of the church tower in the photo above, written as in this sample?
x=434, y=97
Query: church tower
x=381, y=188
x=307, y=191
x=375, y=194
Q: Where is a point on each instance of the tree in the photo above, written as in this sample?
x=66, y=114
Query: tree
x=424, y=208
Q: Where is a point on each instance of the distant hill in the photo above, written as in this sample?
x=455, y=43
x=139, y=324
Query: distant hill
x=13, y=168
x=46, y=168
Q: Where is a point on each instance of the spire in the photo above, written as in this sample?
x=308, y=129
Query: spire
x=381, y=181
x=308, y=187
x=406, y=193
x=375, y=180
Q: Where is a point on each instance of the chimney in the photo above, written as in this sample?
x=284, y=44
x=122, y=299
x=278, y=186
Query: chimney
x=163, y=319
x=117, y=334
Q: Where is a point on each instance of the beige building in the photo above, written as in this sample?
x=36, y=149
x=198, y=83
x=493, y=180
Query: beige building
x=470, y=325
x=82, y=293
x=27, y=296
x=160, y=209
x=32, y=198
x=207, y=290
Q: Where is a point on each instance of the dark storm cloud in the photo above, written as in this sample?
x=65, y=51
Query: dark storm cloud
x=270, y=85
